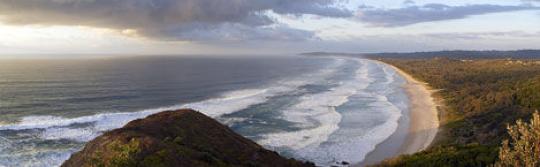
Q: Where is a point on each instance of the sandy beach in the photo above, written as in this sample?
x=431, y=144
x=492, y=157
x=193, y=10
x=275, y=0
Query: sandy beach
x=422, y=128
x=424, y=120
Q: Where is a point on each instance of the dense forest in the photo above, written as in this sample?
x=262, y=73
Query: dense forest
x=462, y=54
x=482, y=96
x=454, y=54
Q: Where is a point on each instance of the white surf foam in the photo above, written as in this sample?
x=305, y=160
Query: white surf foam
x=56, y=128
x=353, y=149
x=4, y=143
x=45, y=158
x=316, y=114
x=353, y=144
x=231, y=102
x=89, y=127
x=319, y=121
x=389, y=73
x=59, y=127
x=239, y=100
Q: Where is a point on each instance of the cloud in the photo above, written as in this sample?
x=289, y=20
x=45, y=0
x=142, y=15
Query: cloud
x=172, y=19
x=413, y=14
x=240, y=32
x=484, y=35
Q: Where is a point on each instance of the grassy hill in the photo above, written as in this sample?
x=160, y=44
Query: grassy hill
x=176, y=138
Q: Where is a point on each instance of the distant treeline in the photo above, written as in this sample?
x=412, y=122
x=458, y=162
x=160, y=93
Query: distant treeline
x=455, y=54
x=518, y=54
x=482, y=96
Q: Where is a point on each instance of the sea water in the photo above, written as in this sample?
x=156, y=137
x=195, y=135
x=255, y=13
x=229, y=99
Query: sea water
x=322, y=109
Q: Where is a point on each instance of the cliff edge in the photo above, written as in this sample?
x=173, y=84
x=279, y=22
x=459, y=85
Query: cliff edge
x=176, y=138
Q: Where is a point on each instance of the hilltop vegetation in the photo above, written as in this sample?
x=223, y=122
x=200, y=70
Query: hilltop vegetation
x=176, y=138
x=482, y=97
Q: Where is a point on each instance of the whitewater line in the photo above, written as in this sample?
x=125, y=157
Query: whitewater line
x=321, y=108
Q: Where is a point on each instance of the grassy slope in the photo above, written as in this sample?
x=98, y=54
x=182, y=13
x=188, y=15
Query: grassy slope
x=482, y=97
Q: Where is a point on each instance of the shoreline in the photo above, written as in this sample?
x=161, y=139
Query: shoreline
x=423, y=123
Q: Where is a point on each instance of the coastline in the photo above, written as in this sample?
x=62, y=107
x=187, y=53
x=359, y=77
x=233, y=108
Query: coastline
x=423, y=123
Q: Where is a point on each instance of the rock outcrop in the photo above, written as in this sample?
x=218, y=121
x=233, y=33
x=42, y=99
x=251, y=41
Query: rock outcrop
x=176, y=138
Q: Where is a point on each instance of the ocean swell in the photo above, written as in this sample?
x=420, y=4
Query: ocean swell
x=82, y=129
x=342, y=123
x=360, y=105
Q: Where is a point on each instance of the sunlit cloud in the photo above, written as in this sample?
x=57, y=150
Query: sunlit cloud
x=263, y=26
x=173, y=19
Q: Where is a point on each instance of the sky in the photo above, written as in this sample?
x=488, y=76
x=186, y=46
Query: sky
x=264, y=27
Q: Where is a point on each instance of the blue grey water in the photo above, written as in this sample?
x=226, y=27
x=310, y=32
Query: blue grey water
x=322, y=109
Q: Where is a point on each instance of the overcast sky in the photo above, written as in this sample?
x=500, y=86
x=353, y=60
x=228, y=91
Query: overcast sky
x=264, y=26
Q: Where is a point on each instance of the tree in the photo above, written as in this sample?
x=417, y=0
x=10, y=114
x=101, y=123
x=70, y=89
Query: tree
x=524, y=148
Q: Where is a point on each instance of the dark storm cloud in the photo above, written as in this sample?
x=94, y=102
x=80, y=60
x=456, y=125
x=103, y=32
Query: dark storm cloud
x=172, y=19
x=413, y=14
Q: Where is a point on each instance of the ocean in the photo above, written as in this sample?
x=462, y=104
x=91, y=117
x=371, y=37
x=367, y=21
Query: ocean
x=321, y=109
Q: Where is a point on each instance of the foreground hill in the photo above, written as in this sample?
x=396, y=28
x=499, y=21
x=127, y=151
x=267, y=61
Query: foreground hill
x=176, y=138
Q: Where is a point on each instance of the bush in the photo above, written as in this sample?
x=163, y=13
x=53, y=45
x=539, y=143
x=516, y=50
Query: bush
x=524, y=148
